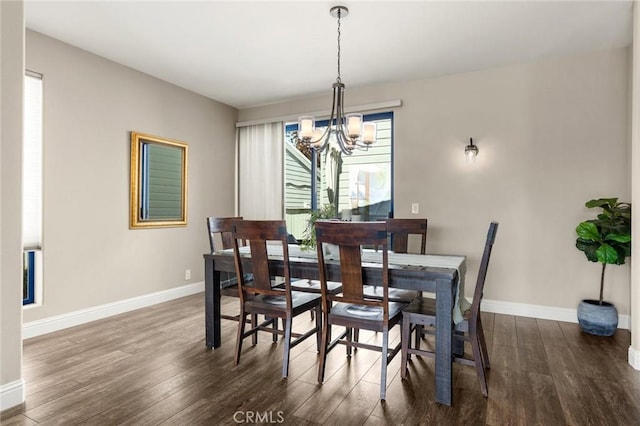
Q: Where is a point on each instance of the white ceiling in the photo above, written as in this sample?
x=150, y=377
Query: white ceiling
x=248, y=53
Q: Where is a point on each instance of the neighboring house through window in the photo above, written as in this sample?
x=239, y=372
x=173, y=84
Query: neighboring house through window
x=360, y=184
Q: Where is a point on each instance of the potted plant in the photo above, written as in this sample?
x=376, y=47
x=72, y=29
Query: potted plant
x=328, y=211
x=606, y=239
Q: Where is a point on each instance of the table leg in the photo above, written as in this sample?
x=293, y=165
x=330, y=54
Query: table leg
x=212, y=305
x=444, y=331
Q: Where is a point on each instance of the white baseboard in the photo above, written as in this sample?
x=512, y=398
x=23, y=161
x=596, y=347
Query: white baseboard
x=634, y=358
x=11, y=394
x=71, y=319
x=542, y=312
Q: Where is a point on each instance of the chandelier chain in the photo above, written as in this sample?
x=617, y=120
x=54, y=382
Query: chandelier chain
x=338, y=79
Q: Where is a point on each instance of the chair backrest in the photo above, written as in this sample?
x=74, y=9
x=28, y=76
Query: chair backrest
x=220, y=226
x=256, y=233
x=482, y=272
x=400, y=229
x=350, y=237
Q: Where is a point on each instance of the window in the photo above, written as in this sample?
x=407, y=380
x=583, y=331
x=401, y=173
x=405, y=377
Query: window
x=360, y=185
x=32, y=186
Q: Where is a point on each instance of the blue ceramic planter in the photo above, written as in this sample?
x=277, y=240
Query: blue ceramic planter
x=596, y=319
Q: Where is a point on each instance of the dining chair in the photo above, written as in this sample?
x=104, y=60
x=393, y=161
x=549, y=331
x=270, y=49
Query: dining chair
x=260, y=297
x=422, y=312
x=220, y=239
x=399, y=231
x=352, y=309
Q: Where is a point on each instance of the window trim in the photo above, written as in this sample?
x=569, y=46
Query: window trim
x=32, y=237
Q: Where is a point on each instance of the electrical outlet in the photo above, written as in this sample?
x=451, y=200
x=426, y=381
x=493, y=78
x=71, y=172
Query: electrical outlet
x=187, y=274
x=415, y=208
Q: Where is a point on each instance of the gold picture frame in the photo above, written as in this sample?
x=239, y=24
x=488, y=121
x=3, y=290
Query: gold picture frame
x=158, y=182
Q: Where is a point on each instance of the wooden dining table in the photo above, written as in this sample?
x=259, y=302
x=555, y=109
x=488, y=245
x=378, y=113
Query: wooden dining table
x=404, y=273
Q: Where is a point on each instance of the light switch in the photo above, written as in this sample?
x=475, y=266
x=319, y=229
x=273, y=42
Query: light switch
x=415, y=208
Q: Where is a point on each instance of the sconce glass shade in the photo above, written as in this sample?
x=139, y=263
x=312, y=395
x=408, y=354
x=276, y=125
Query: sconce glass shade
x=471, y=151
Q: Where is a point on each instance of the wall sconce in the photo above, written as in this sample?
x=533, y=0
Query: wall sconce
x=471, y=151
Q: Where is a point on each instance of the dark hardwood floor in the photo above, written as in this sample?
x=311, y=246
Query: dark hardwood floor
x=151, y=367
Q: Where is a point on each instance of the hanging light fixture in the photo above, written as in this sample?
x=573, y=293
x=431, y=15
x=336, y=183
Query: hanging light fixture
x=349, y=130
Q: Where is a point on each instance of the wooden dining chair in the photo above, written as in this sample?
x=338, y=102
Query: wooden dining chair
x=422, y=312
x=352, y=309
x=220, y=239
x=260, y=297
x=399, y=230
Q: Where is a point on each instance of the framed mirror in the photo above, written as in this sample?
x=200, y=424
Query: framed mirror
x=158, y=182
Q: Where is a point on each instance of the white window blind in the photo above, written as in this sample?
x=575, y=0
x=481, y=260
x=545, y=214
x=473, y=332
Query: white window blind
x=32, y=163
x=260, y=167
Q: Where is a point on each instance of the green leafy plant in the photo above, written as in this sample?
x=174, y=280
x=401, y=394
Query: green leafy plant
x=606, y=239
x=328, y=211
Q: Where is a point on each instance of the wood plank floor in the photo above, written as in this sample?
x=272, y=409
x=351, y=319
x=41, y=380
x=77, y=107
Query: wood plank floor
x=151, y=367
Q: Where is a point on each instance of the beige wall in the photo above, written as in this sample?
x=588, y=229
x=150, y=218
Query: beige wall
x=91, y=257
x=634, y=351
x=11, y=78
x=552, y=135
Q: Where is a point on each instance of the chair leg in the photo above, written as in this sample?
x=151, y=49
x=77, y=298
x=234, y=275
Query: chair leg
x=254, y=324
x=326, y=328
x=274, y=325
x=457, y=343
x=349, y=339
x=406, y=338
x=477, y=357
x=318, y=315
x=483, y=346
x=384, y=361
x=241, y=324
x=418, y=336
x=287, y=347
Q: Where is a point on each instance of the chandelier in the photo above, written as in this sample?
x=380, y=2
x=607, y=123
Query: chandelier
x=349, y=130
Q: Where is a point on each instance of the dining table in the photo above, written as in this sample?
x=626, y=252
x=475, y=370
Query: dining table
x=442, y=275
